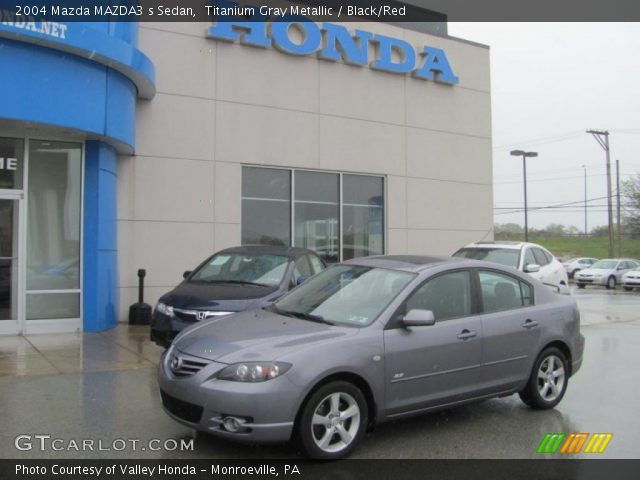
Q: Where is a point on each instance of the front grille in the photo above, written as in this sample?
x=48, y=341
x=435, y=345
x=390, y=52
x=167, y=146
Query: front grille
x=197, y=315
x=182, y=365
x=185, y=410
x=187, y=317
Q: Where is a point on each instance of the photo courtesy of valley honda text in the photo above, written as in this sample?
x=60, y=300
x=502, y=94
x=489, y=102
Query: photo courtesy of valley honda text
x=152, y=145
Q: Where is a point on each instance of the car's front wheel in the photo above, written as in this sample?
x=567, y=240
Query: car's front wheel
x=611, y=282
x=333, y=421
x=581, y=285
x=548, y=381
x=628, y=289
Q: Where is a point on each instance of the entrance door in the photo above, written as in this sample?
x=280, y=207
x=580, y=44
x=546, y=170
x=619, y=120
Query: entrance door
x=10, y=261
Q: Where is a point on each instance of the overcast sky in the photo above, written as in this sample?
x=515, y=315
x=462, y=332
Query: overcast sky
x=551, y=82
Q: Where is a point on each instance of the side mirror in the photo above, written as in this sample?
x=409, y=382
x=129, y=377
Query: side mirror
x=532, y=268
x=621, y=267
x=419, y=318
x=301, y=279
x=186, y=274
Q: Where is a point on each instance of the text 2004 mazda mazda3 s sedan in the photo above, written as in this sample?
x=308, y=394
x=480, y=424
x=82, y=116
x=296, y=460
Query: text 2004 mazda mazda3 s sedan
x=371, y=340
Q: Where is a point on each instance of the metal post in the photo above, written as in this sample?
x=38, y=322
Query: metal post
x=526, y=222
x=599, y=135
x=586, y=232
x=618, y=208
x=524, y=155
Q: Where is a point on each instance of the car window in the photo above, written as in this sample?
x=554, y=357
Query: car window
x=504, y=256
x=529, y=259
x=447, y=296
x=302, y=268
x=503, y=292
x=237, y=267
x=316, y=264
x=541, y=257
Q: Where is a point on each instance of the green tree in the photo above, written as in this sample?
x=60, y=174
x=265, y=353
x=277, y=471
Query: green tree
x=631, y=193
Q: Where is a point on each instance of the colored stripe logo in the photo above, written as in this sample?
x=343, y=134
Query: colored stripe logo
x=574, y=442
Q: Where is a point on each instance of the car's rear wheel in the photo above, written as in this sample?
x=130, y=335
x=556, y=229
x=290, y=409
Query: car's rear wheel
x=548, y=381
x=611, y=282
x=333, y=421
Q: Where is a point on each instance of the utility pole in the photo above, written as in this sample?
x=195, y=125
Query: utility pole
x=586, y=232
x=618, y=208
x=602, y=137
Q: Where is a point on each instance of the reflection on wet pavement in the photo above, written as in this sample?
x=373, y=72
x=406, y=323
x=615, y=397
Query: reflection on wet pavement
x=123, y=348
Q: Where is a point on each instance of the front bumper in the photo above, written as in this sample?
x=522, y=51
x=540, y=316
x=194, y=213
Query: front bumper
x=164, y=328
x=631, y=282
x=267, y=409
x=591, y=280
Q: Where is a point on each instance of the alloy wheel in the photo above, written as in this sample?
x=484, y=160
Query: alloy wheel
x=551, y=378
x=335, y=422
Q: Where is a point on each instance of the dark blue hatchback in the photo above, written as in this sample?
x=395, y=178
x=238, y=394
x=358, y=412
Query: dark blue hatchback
x=232, y=280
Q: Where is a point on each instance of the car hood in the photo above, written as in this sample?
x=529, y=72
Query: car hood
x=219, y=296
x=255, y=335
x=595, y=271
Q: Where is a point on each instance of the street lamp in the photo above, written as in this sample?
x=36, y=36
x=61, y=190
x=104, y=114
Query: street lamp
x=524, y=155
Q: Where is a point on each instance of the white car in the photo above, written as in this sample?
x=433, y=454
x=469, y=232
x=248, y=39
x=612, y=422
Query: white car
x=527, y=257
x=574, y=265
x=631, y=279
x=607, y=272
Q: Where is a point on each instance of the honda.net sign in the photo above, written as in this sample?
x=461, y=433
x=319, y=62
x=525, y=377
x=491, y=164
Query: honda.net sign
x=335, y=42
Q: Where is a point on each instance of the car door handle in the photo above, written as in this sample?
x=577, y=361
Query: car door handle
x=529, y=324
x=466, y=334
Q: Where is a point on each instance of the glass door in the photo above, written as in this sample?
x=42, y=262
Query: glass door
x=10, y=261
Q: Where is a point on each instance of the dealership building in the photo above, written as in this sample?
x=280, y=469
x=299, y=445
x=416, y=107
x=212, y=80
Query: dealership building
x=153, y=145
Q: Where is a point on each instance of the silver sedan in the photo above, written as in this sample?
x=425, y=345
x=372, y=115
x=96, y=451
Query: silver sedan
x=368, y=341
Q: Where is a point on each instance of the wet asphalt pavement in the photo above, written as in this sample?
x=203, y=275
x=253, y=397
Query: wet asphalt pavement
x=107, y=405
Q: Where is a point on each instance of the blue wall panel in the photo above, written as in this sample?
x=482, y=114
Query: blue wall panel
x=100, y=269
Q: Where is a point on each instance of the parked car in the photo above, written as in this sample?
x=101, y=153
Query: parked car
x=230, y=281
x=371, y=340
x=607, y=272
x=631, y=279
x=527, y=257
x=574, y=265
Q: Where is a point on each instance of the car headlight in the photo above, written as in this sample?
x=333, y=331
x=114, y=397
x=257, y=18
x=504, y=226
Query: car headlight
x=164, y=309
x=253, y=371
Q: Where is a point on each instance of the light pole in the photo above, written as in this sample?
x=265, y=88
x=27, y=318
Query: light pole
x=586, y=232
x=524, y=155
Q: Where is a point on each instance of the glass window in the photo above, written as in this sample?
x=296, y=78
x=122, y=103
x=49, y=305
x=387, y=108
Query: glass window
x=363, y=216
x=542, y=258
x=316, y=264
x=529, y=258
x=11, y=162
x=266, y=206
x=316, y=213
x=53, y=229
x=503, y=292
x=447, y=296
x=242, y=268
x=302, y=268
x=348, y=295
x=503, y=256
x=267, y=196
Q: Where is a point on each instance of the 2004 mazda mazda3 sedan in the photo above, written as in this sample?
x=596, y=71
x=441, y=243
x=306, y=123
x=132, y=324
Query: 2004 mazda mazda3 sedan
x=370, y=340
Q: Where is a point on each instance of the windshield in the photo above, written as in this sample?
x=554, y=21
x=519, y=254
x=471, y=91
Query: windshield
x=347, y=295
x=503, y=256
x=260, y=269
x=605, y=264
